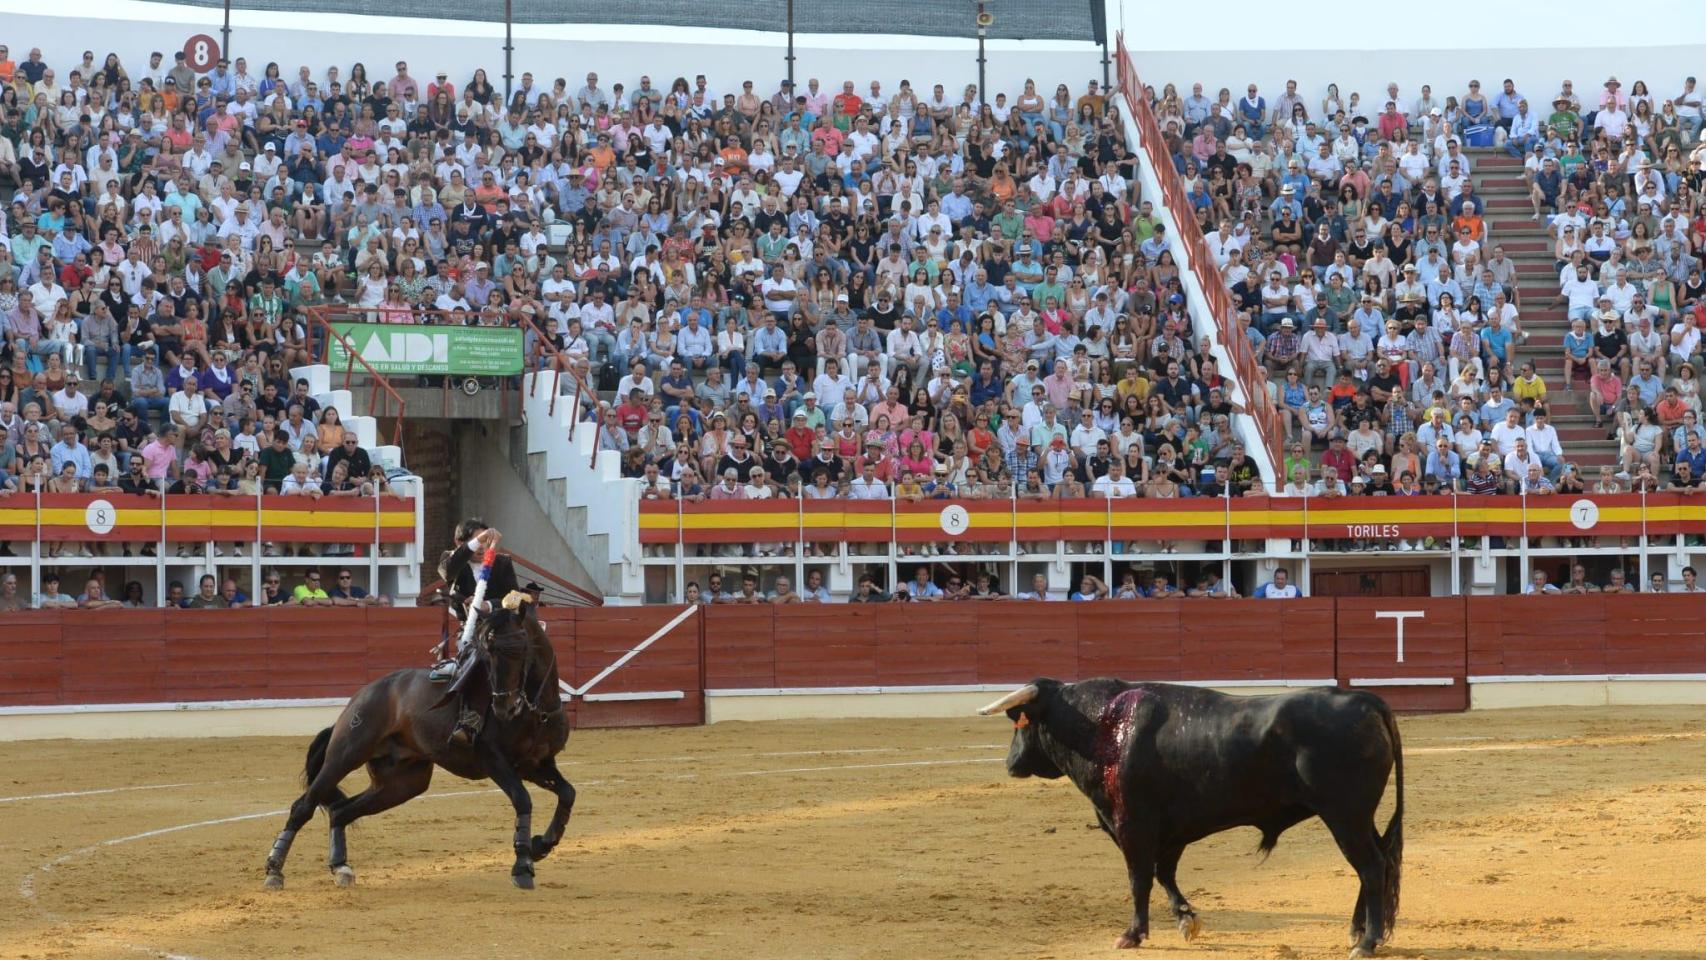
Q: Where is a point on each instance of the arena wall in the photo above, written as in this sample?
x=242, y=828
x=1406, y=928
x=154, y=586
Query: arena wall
x=287, y=670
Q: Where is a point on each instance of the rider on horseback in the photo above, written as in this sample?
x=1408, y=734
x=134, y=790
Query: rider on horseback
x=457, y=568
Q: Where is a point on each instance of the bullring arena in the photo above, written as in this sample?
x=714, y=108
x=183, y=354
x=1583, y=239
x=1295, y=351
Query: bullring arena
x=902, y=477
x=1558, y=834
x=1555, y=832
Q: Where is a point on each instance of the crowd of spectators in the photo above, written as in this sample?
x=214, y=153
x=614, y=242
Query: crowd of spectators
x=927, y=584
x=1390, y=320
x=150, y=297
x=210, y=593
x=839, y=290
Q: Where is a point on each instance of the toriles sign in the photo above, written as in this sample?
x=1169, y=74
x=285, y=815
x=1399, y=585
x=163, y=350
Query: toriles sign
x=447, y=350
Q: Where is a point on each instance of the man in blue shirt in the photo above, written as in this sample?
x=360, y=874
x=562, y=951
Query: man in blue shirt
x=1090, y=588
x=955, y=310
x=985, y=385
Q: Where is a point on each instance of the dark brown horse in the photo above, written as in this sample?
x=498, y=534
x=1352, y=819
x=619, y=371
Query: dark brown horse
x=399, y=726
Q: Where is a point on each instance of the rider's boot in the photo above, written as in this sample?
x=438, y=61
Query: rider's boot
x=467, y=728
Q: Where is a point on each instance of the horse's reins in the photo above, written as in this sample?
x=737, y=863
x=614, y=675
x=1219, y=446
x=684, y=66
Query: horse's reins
x=531, y=703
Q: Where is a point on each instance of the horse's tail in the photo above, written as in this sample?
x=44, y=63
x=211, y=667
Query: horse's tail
x=316, y=756
x=1392, y=841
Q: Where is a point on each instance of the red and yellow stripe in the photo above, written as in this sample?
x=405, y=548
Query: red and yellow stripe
x=1249, y=518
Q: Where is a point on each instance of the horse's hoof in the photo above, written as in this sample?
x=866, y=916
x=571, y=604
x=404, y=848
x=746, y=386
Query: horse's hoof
x=1127, y=941
x=538, y=849
x=522, y=881
x=1190, y=927
x=344, y=875
x=1357, y=953
x=275, y=881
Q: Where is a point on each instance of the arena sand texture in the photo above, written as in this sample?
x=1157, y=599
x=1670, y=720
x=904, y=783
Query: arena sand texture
x=1536, y=835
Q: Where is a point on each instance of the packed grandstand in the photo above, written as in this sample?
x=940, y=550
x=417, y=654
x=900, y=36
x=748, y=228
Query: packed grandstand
x=855, y=291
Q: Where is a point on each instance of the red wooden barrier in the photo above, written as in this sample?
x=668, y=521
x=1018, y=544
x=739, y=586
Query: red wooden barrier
x=669, y=664
x=1589, y=635
x=1410, y=650
x=52, y=658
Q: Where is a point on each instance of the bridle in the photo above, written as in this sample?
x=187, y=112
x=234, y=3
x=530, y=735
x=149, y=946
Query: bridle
x=529, y=703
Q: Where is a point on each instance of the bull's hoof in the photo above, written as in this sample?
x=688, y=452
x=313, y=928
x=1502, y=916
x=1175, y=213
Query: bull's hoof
x=274, y=881
x=1190, y=927
x=1128, y=940
x=522, y=881
x=344, y=875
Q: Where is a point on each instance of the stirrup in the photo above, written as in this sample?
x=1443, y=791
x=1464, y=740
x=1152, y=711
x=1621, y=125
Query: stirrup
x=467, y=728
x=442, y=671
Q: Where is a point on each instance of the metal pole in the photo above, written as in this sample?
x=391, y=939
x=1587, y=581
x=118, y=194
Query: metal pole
x=1105, y=65
x=981, y=32
x=225, y=33
x=790, y=44
x=509, y=48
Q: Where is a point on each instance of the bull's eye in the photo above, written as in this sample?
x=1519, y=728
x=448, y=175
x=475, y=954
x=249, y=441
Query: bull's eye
x=1022, y=722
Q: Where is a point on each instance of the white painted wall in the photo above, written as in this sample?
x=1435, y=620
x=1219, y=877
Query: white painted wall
x=133, y=28
x=1168, y=40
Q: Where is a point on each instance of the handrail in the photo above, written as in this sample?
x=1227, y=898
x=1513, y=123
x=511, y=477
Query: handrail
x=580, y=596
x=320, y=315
x=1249, y=373
x=583, y=391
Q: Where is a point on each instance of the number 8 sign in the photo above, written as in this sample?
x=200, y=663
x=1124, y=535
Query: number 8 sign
x=201, y=52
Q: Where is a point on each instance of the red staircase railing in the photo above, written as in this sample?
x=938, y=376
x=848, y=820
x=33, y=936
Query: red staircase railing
x=586, y=398
x=1245, y=366
x=382, y=395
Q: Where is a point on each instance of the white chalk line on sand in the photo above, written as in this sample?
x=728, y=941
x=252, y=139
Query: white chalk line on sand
x=850, y=751
x=103, y=791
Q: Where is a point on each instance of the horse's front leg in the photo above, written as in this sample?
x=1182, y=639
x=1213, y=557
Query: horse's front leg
x=549, y=777
x=503, y=774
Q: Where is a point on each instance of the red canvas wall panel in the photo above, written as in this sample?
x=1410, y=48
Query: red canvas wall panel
x=1434, y=648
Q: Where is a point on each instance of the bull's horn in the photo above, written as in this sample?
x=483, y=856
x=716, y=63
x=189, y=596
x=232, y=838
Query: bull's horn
x=1017, y=698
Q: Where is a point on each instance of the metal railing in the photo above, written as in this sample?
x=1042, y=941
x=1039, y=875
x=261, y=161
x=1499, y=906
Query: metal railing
x=586, y=398
x=381, y=393
x=1259, y=405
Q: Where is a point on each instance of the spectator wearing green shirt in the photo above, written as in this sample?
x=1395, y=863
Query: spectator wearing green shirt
x=277, y=461
x=1564, y=121
x=309, y=593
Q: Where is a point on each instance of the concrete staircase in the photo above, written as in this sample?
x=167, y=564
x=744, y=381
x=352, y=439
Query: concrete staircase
x=592, y=507
x=366, y=428
x=1498, y=180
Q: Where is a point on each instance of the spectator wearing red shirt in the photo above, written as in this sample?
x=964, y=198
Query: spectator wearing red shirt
x=632, y=413
x=1339, y=457
x=847, y=105
x=800, y=436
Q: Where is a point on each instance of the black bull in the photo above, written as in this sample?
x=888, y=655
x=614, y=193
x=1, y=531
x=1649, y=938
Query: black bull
x=1168, y=765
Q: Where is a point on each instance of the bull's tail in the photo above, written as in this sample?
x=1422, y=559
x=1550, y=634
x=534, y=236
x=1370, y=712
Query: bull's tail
x=1392, y=841
x=316, y=756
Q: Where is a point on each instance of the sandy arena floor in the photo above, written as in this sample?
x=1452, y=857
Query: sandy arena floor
x=1537, y=835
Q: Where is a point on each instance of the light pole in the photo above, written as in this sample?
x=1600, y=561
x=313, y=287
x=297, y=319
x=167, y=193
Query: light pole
x=509, y=47
x=790, y=44
x=984, y=19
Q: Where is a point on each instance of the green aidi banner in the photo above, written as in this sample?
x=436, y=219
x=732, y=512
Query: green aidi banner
x=456, y=351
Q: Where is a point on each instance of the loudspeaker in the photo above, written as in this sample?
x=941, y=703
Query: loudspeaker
x=1099, y=21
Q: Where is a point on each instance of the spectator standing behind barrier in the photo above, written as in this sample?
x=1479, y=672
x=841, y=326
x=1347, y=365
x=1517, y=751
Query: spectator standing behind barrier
x=95, y=597
x=1280, y=588
x=10, y=602
x=206, y=597
x=347, y=593
x=309, y=593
